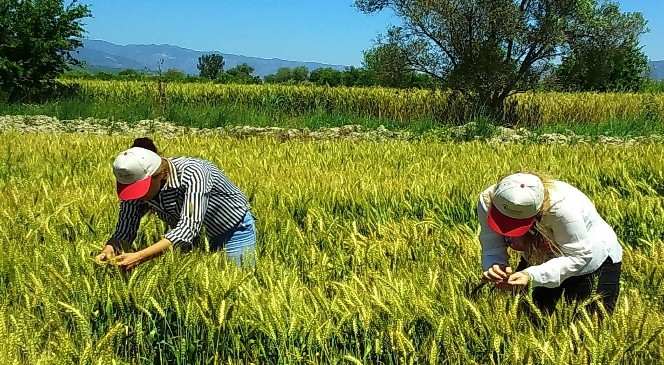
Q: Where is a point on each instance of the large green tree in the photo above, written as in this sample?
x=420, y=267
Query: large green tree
x=388, y=65
x=174, y=75
x=240, y=74
x=300, y=74
x=606, y=55
x=356, y=76
x=210, y=65
x=37, y=38
x=326, y=76
x=283, y=75
x=288, y=75
x=485, y=50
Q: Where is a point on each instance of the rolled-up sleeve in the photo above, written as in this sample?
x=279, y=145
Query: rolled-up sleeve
x=129, y=219
x=494, y=249
x=572, y=238
x=198, y=184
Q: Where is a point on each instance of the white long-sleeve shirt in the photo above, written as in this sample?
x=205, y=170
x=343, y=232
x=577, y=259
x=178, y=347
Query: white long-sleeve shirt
x=583, y=240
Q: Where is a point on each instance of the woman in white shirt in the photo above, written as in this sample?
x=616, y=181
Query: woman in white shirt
x=565, y=245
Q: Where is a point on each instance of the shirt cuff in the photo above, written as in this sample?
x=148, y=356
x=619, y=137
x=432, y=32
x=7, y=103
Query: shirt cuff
x=178, y=238
x=535, y=276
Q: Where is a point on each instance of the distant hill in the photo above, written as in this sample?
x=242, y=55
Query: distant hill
x=102, y=55
x=657, y=70
x=139, y=56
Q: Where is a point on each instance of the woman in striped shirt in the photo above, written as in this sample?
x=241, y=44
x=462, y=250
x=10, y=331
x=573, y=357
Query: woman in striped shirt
x=186, y=193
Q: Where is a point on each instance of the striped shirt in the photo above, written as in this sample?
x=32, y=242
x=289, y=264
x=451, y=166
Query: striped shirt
x=195, y=194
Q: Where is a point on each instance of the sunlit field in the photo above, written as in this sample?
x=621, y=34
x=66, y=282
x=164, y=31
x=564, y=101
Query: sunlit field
x=218, y=105
x=368, y=254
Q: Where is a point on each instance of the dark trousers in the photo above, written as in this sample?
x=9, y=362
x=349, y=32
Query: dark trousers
x=606, y=278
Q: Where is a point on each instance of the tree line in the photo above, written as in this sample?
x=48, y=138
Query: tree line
x=211, y=69
x=379, y=68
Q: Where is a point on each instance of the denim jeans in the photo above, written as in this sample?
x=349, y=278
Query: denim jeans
x=239, y=243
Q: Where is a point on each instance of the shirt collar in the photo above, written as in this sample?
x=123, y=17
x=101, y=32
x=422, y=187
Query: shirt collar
x=173, y=179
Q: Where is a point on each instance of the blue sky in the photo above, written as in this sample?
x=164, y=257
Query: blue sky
x=328, y=31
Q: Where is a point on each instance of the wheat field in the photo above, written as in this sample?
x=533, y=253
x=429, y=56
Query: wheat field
x=401, y=106
x=367, y=255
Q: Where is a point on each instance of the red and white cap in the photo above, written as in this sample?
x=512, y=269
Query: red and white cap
x=516, y=202
x=133, y=170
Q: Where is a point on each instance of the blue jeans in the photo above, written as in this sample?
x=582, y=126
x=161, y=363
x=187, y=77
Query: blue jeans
x=239, y=242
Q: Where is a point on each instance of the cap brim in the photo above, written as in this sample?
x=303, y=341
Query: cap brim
x=508, y=226
x=134, y=191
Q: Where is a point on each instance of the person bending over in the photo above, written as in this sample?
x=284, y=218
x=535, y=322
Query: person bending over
x=188, y=194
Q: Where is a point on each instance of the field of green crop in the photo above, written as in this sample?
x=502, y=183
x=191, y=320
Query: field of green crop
x=207, y=105
x=402, y=106
x=367, y=252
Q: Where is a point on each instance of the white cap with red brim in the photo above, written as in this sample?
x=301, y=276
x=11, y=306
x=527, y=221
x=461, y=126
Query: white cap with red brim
x=133, y=170
x=516, y=203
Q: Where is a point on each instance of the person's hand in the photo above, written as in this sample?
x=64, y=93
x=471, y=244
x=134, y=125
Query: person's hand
x=504, y=285
x=519, y=280
x=106, y=254
x=128, y=260
x=515, y=282
x=497, y=273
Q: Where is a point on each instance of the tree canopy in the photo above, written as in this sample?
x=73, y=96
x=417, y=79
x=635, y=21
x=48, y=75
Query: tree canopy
x=210, y=65
x=487, y=50
x=606, y=54
x=37, y=38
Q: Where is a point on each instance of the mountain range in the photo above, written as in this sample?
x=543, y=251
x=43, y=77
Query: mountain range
x=657, y=70
x=101, y=55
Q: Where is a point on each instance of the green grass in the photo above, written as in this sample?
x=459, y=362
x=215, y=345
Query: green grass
x=202, y=116
x=614, y=128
